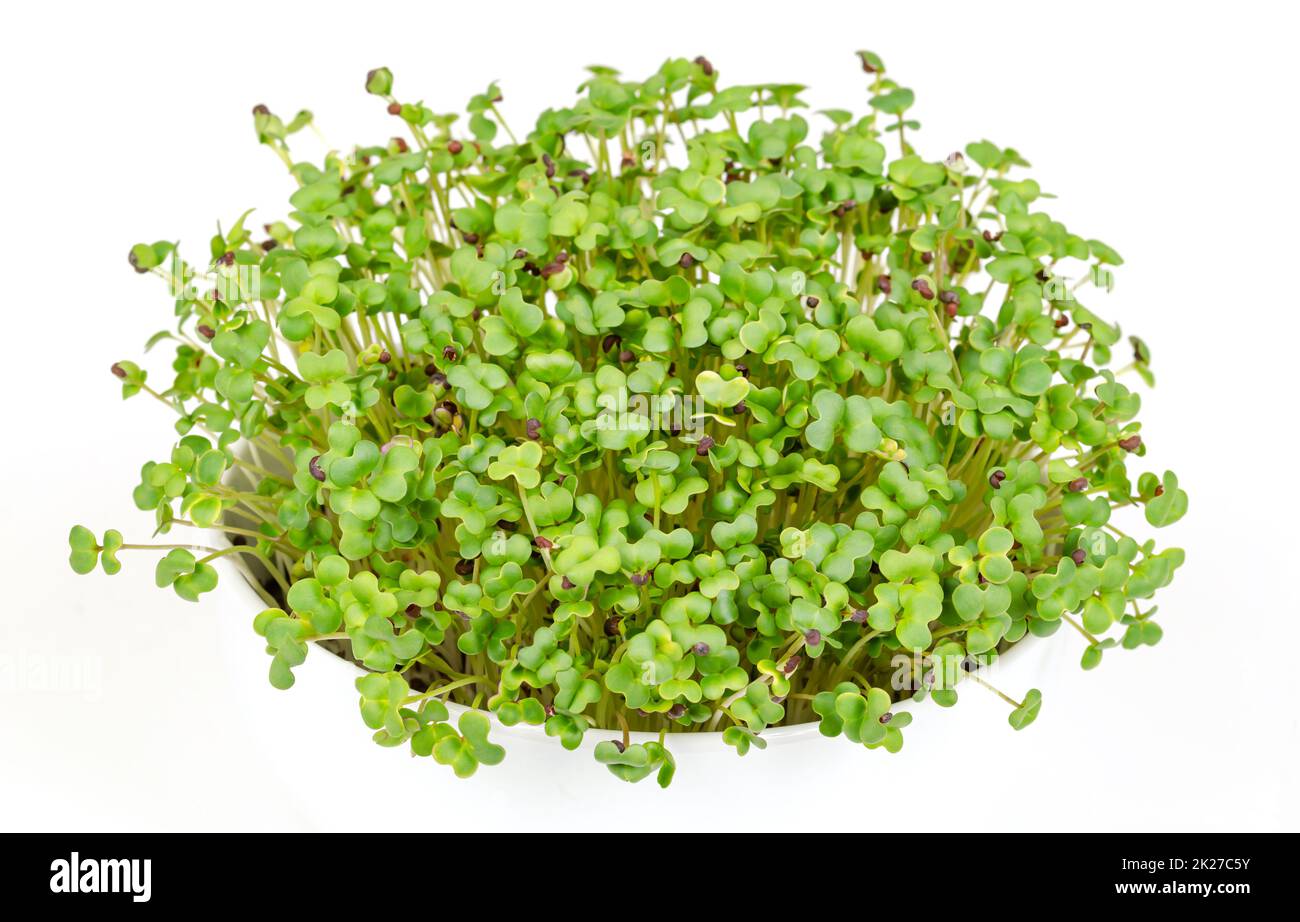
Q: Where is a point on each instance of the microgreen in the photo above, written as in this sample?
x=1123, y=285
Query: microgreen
x=688, y=410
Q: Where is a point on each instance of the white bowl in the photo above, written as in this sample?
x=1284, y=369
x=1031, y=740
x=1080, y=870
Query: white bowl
x=320, y=755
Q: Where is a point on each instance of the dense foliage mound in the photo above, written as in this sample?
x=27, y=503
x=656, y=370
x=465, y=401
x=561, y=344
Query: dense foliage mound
x=683, y=412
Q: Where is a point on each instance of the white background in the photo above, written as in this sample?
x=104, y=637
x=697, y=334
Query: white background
x=1166, y=130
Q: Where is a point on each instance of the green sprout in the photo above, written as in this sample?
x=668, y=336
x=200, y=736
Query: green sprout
x=687, y=410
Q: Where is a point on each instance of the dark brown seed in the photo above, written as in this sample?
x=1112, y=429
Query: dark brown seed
x=394, y=108
x=533, y=429
x=922, y=287
x=618, y=744
x=385, y=357
x=544, y=543
x=813, y=637
x=611, y=626
x=1061, y=321
x=464, y=567
x=705, y=65
x=118, y=370
x=1132, y=443
x=206, y=331
x=886, y=717
x=626, y=355
x=269, y=245
x=1079, y=555
x=948, y=296
x=739, y=409
x=686, y=261
x=996, y=478
x=454, y=147
x=566, y=583
x=812, y=301
x=550, y=165
x=260, y=109
x=314, y=467
x=677, y=710
x=951, y=309
x=227, y=258
x=700, y=649
x=1160, y=490
x=401, y=145
x=449, y=353
x=413, y=610
x=1078, y=485
x=790, y=665
x=742, y=369
x=859, y=616
x=885, y=284
x=706, y=443
x=927, y=258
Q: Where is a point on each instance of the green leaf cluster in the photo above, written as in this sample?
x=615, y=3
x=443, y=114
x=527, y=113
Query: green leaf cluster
x=685, y=410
